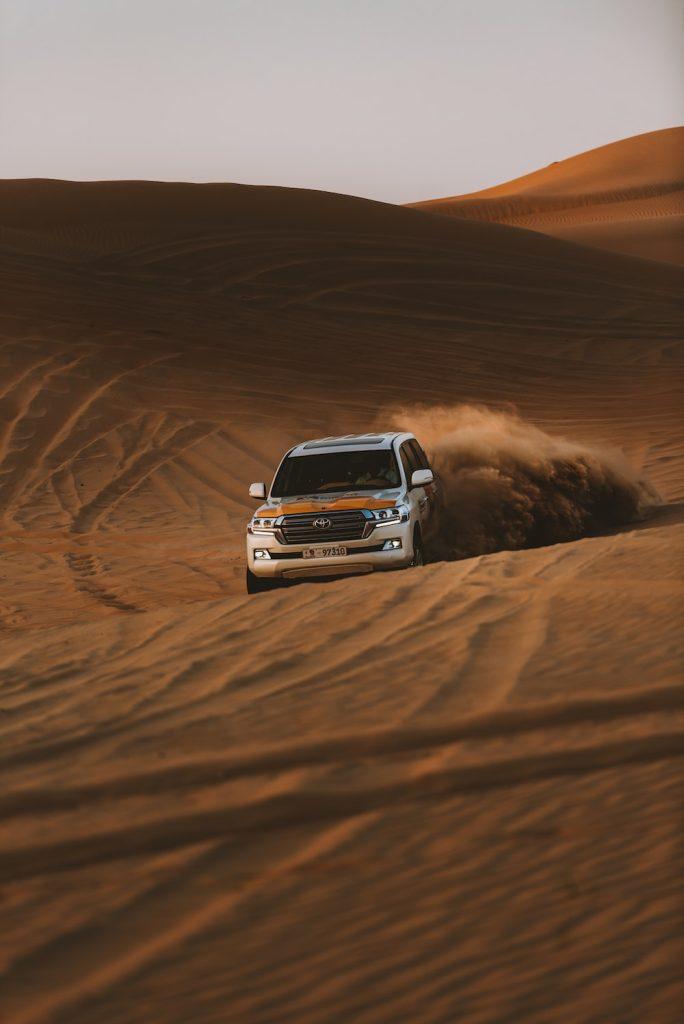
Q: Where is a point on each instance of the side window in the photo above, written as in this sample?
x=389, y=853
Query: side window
x=408, y=461
x=419, y=455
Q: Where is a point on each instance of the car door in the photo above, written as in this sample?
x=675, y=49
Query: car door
x=431, y=491
x=417, y=496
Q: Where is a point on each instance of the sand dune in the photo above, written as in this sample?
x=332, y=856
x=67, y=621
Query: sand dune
x=447, y=794
x=627, y=197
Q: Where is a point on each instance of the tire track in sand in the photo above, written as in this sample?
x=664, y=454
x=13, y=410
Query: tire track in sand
x=307, y=807
x=496, y=724
x=133, y=938
x=85, y=567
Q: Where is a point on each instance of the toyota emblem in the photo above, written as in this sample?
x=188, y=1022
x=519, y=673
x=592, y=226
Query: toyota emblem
x=322, y=523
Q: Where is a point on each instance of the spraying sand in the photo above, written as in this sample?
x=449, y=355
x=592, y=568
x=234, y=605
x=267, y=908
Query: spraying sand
x=506, y=484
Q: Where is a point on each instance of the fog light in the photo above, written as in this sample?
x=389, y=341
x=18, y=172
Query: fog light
x=391, y=545
x=261, y=553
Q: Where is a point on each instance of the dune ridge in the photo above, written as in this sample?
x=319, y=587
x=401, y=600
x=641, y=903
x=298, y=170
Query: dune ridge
x=627, y=197
x=451, y=793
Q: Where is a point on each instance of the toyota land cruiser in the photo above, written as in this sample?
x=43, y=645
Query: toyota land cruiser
x=340, y=506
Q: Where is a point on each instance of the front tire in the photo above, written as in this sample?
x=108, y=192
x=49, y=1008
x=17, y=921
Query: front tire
x=257, y=584
x=418, y=550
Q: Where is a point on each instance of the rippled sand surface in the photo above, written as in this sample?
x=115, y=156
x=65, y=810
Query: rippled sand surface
x=449, y=794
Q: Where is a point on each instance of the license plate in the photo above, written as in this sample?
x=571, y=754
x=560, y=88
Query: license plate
x=320, y=552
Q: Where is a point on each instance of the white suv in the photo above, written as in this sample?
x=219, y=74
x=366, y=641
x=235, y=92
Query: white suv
x=339, y=506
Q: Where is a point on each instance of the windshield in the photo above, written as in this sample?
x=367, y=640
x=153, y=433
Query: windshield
x=339, y=471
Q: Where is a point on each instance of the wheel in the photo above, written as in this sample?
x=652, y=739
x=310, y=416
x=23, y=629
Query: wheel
x=418, y=550
x=257, y=584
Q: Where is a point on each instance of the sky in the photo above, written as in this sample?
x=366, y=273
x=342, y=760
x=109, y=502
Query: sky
x=397, y=100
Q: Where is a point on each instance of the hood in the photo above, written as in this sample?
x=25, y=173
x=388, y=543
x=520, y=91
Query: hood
x=334, y=502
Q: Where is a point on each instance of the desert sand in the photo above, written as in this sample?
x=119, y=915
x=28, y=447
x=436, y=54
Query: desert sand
x=626, y=197
x=448, y=794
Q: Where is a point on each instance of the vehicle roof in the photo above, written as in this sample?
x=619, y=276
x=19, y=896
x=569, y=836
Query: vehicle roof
x=349, y=442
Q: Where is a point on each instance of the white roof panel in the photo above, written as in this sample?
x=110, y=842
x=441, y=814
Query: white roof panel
x=349, y=442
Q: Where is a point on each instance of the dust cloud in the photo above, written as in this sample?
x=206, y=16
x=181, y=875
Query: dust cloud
x=506, y=484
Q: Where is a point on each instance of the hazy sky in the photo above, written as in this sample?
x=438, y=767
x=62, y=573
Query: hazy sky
x=392, y=99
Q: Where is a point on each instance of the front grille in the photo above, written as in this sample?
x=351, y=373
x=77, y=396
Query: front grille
x=347, y=525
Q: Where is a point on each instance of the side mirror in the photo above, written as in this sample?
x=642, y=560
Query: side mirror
x=421, y=477
x=257, y=491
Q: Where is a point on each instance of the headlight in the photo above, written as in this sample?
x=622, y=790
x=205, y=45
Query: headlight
x=262, y=526
x=388, y=516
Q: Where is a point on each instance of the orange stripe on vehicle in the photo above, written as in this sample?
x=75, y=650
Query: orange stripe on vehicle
x=327, y=506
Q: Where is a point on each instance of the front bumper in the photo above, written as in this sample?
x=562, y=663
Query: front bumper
x=363, y=556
